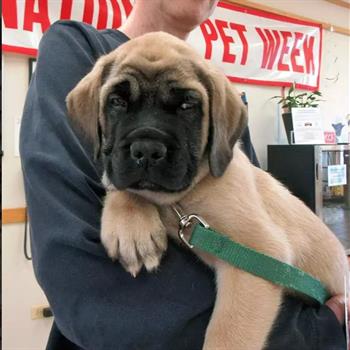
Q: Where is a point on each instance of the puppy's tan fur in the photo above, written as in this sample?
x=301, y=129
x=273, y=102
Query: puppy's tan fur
x=243, y=202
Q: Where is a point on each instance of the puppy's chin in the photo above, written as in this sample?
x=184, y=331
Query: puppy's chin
x=167, y=198
x=160, y=197
x=146, y=185
x=153, y=192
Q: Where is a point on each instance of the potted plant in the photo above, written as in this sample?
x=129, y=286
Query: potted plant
x=296, y=100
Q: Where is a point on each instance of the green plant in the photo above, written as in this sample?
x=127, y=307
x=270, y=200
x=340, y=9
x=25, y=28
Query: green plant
x=299, y=100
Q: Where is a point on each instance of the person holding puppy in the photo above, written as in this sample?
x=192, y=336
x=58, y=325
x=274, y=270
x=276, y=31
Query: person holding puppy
x=96, y=304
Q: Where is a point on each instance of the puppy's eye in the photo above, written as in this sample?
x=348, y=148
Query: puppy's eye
x=117, y=101
x=186, y=106
x=189, y=101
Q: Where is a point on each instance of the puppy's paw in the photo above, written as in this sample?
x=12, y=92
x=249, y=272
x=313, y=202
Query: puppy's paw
x=134, y=237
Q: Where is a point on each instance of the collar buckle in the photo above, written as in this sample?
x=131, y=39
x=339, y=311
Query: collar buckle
x=185, y=221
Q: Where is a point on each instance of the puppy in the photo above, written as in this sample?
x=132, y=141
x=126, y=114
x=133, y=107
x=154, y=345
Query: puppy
x=166, y=124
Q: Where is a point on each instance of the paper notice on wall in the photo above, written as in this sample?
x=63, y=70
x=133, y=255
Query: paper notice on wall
x=307, y=126
x=336, y=175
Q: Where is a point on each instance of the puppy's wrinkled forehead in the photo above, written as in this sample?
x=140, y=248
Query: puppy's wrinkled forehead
x=157, y=62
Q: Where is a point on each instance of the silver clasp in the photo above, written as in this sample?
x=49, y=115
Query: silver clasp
x=185, y=221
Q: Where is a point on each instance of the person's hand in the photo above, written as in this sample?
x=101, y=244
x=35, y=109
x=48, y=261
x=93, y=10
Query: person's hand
x=337, y=305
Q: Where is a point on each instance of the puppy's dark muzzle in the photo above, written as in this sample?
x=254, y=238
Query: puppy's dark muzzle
x=148, y=152
x=150, y=158
x=148, y=147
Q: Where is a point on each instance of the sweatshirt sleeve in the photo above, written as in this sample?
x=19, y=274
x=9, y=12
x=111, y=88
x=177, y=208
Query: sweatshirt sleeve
x=96, y=304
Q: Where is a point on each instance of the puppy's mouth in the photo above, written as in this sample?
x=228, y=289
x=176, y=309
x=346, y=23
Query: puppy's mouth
x=141, y=180
x=148, y=185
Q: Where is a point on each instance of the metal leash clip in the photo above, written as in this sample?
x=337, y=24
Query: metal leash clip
x=185, y=221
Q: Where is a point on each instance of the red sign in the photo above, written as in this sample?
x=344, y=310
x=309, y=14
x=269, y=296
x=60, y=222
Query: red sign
x=250, y=46
x=330, y=137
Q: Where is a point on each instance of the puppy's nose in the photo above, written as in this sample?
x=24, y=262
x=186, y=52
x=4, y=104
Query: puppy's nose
x=147, y=152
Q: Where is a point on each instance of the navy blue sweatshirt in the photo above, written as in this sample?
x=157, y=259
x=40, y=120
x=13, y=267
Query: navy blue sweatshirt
x=96, y=304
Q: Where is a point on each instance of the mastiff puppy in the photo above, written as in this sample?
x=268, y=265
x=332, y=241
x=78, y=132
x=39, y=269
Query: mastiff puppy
x=166, y=124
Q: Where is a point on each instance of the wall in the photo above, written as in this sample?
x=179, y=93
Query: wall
x=20, y=290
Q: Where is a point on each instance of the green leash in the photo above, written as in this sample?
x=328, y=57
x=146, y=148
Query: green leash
x=248, y=259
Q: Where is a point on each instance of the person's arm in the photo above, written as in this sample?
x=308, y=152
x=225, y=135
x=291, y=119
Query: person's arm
x=96, y=304
x=303, y=327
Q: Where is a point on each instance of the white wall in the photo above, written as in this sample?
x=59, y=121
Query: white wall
x=20, y=291
x=318, y=10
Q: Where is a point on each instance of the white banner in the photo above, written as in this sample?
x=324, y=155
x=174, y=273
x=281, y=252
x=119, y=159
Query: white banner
x=250, y=46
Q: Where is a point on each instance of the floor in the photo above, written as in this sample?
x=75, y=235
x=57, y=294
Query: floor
x=337, y=217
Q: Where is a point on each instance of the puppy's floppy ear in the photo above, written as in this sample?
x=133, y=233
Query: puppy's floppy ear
x=83, y=103
x=228, y=119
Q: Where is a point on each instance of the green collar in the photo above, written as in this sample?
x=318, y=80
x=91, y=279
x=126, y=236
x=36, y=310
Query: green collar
x=247, y=259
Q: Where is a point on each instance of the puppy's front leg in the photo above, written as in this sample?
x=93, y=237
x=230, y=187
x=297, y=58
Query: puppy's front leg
x=245, y=309
x=132, y=232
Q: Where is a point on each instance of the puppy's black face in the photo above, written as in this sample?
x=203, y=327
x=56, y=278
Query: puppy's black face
x=152, y=137
x=164, y=115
